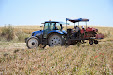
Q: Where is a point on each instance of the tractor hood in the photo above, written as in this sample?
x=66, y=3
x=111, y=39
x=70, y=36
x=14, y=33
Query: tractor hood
x=37, y=33
x=40, y=32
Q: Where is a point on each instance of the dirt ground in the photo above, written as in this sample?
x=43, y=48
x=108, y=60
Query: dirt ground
x=6, y=47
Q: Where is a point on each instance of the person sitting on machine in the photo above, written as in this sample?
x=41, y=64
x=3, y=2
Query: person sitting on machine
x=77, y=31
x=83, y=28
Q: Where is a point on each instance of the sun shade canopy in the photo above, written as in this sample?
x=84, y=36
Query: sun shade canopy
x=76, y=20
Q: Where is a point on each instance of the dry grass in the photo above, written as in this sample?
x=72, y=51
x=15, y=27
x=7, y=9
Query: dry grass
x=10, y=33
x=27, y=29
x=107, y=31
x=82, y=60
x=61, y=60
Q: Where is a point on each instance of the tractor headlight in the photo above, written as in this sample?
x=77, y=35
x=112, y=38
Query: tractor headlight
x=33, y=34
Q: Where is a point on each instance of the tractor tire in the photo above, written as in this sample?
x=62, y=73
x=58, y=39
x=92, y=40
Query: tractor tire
x=32, y=42
x=55, y=39
x=95, y=42
x=26, y=39
x=91, y=42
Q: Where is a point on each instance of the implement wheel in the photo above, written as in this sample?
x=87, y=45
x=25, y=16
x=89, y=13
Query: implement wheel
x=95, y=42
x=91, y=42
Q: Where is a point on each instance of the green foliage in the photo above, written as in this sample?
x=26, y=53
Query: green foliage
x=7, y=32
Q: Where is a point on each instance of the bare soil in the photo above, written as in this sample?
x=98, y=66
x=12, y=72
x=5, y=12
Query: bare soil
x=10, y=47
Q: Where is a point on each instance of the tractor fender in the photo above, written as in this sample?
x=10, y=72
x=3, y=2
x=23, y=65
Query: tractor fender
x=55, y=31
x=52, y=33
x=37, y=33
x=30, y=38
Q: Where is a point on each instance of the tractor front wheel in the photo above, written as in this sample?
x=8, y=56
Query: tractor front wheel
x=55, y=39
x=32, y=42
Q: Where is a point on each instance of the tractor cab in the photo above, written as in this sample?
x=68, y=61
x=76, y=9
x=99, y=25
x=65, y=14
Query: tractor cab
x=51, y=26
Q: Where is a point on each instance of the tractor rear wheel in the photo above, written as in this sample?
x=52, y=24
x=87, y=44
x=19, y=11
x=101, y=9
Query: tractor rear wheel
x=32, y=42
x=55, y=39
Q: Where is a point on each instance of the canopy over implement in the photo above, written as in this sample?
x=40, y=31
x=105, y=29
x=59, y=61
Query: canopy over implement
x=76, y=20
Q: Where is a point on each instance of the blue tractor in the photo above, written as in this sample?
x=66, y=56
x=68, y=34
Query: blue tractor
x=52, y=34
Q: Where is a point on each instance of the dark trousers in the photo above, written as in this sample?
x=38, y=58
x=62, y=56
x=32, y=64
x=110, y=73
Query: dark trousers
x=76, y=34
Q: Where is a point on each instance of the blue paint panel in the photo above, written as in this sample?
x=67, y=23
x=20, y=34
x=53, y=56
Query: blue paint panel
x=58, y=31
x=41, y=32
x=64, y=31
x=37, y=32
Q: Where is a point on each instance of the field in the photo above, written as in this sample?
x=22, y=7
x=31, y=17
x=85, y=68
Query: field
x=80, y=59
